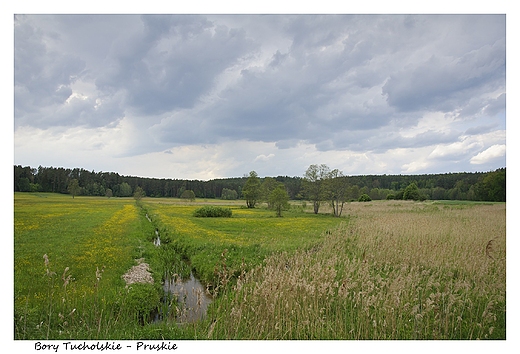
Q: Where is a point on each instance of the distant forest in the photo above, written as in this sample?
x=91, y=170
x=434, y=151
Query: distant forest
x=478, y=186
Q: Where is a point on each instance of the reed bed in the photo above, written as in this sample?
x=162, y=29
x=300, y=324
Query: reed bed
x=399, y=270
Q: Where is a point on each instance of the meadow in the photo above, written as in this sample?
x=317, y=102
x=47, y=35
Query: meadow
x=246, y=238
x=384, y=270
x=69, y=255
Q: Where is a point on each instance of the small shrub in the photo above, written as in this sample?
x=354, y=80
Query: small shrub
x=210, y=211
x=364, y=198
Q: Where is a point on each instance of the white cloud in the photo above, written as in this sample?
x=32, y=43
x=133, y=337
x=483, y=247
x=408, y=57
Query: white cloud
x=491, y=153
x=415, y=166
x=454, y=150
x=430, y=121
x=263, y=157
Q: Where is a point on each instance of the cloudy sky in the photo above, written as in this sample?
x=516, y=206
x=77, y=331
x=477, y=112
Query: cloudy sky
x=209, y=96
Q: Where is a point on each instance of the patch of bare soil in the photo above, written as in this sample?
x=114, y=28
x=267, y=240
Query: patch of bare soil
x=139, y=273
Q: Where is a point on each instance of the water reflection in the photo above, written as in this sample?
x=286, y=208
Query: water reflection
x=157, y=240
x=192, y=297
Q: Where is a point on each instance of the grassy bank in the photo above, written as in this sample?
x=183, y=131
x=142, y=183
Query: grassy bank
x=246, y=238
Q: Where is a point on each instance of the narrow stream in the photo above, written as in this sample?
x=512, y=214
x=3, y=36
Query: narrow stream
x=192, y=297
x=157, y=240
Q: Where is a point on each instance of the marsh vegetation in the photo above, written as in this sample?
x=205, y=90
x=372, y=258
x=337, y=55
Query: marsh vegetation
x=383, y=270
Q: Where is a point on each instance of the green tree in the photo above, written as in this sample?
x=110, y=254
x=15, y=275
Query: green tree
x=139, y=193
x=251, y=190
x=279, y=199
x=353, y=192
x=108, y=193
x=493, y=186
x=411, y=192
x=74, y=187
x=124, y=190
x=229, y=194
x=313, y=184
x=337, y=190
x=267, y=187
x=188, y=195
x=181, y=191
x=438, y=193
x=24, y=185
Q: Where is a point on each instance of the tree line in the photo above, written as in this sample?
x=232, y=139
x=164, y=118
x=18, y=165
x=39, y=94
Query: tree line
x=332, y=183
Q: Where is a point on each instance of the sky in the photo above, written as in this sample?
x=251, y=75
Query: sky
x=213, y=96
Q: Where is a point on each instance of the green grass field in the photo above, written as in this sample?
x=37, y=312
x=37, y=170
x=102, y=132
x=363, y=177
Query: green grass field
x=385, y=270
x=98, y=239
x=247, y=237
x=89, y=243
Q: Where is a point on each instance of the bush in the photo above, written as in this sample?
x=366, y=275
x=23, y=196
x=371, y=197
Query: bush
x=209, y=211
x=411, y=192
x=364, y=198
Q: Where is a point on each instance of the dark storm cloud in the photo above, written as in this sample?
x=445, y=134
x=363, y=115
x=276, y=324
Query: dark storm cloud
x=337, y=82
x=45, y=70
x=42, y=77
x=380, y=141
x=174, y=62
x=307, y=85
x=447, y=83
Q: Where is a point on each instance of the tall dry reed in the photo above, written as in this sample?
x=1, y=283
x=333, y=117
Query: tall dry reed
x=397, y=271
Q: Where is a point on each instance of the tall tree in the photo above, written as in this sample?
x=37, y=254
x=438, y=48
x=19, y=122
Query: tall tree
x=279, y=199
x=492, y=187
x=188, y=195
x=125, y=190
x=337, y=190
x=229, y=194
x=251, y=190
x=313, y=184
x=74, y=187
x=268, y=186
x=139, y=194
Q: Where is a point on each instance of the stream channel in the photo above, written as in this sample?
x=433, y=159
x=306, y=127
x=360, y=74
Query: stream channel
x=192, y=297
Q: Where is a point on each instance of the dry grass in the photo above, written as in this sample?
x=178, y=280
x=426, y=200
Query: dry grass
x=399, y=271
